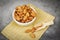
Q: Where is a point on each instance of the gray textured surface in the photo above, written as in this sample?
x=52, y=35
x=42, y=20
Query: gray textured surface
x=50, y=6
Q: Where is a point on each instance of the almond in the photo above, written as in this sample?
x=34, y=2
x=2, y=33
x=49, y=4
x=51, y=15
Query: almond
x=28, y=30
x=27, y=14
x=17, y=18
x=27, y=20
x=32, y=35
x=25, y=17
x=33, y=29
x=33, y=14
x=30, y=18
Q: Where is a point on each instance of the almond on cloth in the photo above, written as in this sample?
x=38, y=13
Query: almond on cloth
x=32, y=35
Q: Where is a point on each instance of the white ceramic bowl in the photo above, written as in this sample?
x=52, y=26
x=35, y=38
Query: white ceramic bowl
x=20, y=23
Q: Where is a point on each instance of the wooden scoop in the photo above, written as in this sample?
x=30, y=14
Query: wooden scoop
x=39, y=26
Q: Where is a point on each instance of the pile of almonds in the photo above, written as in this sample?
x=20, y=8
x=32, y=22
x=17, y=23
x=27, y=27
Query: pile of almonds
x=24, y=14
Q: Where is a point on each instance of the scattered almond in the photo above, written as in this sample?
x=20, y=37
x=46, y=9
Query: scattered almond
x=32, y=35
x=28, y=30
x=33, y=29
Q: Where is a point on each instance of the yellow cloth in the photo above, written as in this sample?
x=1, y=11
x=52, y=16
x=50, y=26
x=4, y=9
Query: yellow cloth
x=14, y=31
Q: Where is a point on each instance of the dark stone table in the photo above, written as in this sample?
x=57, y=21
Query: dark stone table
x=50, y=6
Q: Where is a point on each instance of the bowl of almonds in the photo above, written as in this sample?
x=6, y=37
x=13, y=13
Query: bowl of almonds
x=24, y=15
